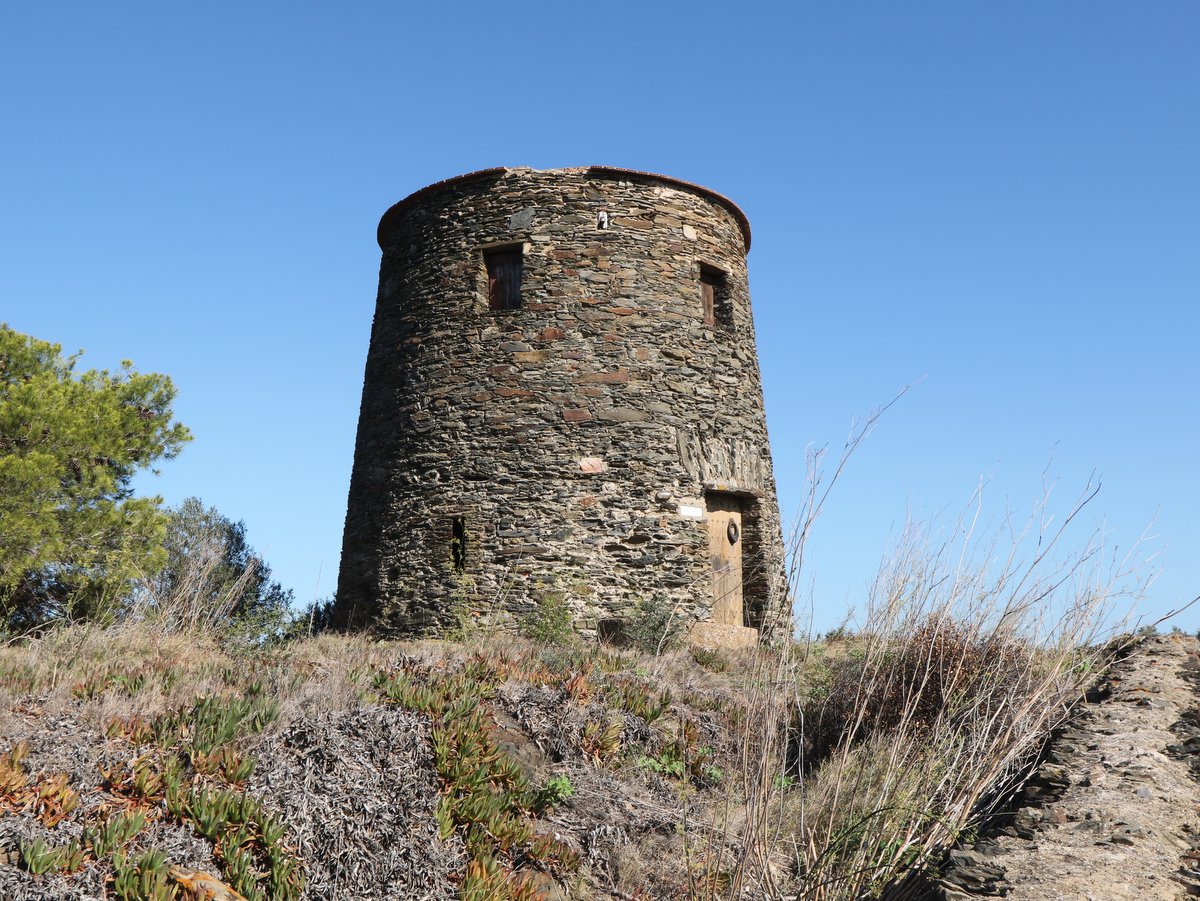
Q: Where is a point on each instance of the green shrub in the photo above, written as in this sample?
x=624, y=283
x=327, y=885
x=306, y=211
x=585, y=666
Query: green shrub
x=655, y=626
x=550, y=623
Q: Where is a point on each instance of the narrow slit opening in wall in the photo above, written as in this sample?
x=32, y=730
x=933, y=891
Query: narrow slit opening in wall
x=714, y=296
x=458, y=544
x=503, y=266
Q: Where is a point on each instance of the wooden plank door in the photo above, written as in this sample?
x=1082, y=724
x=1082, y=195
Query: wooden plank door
x=725, y=549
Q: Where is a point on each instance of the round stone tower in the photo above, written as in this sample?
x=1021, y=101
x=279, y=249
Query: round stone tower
x=562, y=403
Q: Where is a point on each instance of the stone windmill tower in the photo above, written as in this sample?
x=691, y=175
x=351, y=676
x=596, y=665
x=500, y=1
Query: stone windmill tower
x=562, y=398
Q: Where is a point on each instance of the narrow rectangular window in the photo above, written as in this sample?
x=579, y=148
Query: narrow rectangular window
x=458, y=544
x=708, y=295
x=504, y=278
x=714, y=296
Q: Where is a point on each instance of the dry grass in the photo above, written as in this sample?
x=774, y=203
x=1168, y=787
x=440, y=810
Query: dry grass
x=96, y=673
x=970, y=653
x=199, y=602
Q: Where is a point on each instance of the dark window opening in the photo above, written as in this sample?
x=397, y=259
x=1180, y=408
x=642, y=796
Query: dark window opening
x=714, y=295
x=458, y=544
x=504, y=278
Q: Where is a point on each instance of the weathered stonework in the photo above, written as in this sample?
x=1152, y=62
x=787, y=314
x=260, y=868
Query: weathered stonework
x=571, y=447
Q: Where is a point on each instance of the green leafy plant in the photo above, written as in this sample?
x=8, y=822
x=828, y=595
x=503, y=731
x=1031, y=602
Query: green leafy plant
x=40, y=858
x=168, y=678
x=145, y=880
x=639, y=700
x=50, y=796
x=488, y=881
x=114, y=833
x=556, y=790
x=210, y=811
x=239, y=868
x=194, y=769
x=55, y=800
x=21, y=678
x=211, y=723
x=91, y=686
x=130, y=683
x=711, y=773
x=247, y=837
x=713, y=661
x=602, y=740
x=485, y=795
x=668, y=763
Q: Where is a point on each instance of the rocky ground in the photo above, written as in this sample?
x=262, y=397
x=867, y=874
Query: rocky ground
x=1114, y=812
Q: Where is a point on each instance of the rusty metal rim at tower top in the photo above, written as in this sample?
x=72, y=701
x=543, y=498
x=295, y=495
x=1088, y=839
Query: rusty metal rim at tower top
x=396, y=208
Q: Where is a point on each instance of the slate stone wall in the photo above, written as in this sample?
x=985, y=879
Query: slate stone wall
x=565, y=448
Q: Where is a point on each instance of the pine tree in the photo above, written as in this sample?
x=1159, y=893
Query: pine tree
x=72, y=535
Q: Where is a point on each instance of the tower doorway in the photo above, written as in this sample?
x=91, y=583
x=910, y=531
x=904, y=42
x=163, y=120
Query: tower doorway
x=725, y=550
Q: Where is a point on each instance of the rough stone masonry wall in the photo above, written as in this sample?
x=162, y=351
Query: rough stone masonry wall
x=575, y=437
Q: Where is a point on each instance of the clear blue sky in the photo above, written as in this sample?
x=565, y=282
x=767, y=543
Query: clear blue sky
x=999, y=200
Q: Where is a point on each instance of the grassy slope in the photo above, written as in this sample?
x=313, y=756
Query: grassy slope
x=340, y=767
x=523, y=770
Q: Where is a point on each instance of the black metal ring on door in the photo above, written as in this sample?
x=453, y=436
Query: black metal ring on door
x=733, y=532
